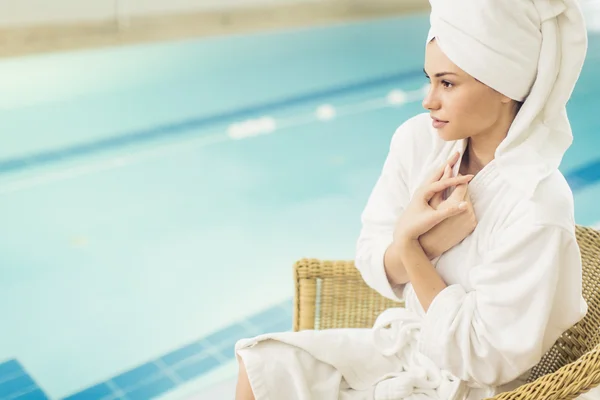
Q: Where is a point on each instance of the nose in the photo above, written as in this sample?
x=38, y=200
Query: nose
x=431, y=101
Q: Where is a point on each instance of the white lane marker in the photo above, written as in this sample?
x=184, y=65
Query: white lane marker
x=252, y=127
x=240, y=130
x=326, y=112
x=397, y=97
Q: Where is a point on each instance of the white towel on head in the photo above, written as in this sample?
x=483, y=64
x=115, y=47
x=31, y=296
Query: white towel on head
x=528, y=50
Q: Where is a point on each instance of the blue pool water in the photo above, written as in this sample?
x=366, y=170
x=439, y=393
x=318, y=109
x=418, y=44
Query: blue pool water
x=141, y=236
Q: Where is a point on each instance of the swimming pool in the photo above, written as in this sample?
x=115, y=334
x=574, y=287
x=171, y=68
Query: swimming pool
x=154, y=198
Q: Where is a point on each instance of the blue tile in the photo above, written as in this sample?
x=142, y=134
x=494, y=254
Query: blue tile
x=151, y=389
x=228, y=351
x=17, y=384
x=576, y=183
x=591, y=171
x=11, y=368
x=584, y=176
x=137, y=376
x=197, y=368
x=36, y=394
x=231, y=334
x=268, y=317
x=99, y=391
x=183, y=353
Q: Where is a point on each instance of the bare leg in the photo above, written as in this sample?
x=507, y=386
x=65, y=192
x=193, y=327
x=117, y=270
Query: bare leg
x=243, y=390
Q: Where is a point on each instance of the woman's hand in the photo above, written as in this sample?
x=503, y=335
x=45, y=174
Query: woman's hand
x=438, y=198
x=453, y=230
x=419, y=216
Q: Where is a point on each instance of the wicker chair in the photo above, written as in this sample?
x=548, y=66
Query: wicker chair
x=332, y=294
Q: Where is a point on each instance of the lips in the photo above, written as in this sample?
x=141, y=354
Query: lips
x=438, y=123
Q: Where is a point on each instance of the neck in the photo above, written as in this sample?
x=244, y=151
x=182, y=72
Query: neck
x=480, y=152
x=481, y=148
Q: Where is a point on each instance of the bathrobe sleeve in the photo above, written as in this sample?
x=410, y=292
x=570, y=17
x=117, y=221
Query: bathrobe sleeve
x=387, y=201
x=526, y=293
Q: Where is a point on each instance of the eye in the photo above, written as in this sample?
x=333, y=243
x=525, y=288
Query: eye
x=447, y=84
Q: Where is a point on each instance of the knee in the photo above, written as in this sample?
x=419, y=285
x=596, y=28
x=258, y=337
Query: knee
x=244, y=390
x=241, y=365
x=243, y=374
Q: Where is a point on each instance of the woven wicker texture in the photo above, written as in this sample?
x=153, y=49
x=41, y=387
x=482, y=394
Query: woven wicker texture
x=332, y=294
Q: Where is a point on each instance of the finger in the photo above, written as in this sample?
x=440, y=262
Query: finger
x=454, y=159
x=447, y=174
x=437, y=199
x=436, y=187
x=438, y=173
x=459, y=193
x=441, y=215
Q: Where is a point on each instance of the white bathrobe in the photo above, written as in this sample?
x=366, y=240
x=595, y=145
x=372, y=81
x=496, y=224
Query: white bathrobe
x=514, y=284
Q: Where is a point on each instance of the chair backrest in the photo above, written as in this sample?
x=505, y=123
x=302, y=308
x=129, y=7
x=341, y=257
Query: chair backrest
x=585, y=335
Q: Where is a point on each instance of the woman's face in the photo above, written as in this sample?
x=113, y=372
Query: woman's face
x=460, y=105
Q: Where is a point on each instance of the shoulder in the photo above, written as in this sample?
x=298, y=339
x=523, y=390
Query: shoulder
x=413, y=141
x=551, y=205
x=548, y=213
x=552, y=202
x=416, y=148
x=413, y=132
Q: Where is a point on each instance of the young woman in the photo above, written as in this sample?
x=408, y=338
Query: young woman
x=471, y=223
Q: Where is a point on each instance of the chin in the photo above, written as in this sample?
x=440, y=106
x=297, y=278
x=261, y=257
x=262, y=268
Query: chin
x=447, y=135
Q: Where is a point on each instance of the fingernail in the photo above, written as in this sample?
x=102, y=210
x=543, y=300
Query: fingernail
x=462, y=205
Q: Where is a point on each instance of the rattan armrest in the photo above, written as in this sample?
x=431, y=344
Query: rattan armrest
x=567, y=383
x=332, y=294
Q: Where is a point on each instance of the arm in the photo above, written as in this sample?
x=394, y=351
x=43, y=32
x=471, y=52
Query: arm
x=377, y=261
x=409, y=250
x=425, y=280
x=377, y=256
x=395, y=271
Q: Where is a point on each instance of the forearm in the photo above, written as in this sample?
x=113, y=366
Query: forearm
x=419, y=270
x=428, y=243
x=394, y=269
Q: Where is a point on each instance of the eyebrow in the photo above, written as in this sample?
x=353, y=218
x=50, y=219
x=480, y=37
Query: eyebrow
x=440, y=74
